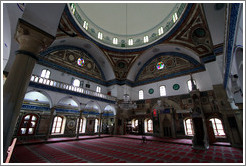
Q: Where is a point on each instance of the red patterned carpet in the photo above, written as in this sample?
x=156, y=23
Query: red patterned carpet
x=122, y=150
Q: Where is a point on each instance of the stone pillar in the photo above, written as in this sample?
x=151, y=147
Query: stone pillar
x=49, y=128
x=31, y=41
x=80, y=116
x=115, y=125
x=198, y=119
x=100, y=124
x=174, y=135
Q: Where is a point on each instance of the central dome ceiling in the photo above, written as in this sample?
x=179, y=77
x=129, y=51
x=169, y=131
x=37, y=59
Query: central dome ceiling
x=126, y=25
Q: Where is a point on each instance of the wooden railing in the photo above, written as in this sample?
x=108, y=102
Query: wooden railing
x=62, y=85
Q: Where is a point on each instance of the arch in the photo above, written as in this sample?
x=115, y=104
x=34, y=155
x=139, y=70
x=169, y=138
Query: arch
x=153, y=52
x=110, y=108
x=69, y=101
x=93, y=106
x=175, y=54
x=44, y=93
x=92, y=50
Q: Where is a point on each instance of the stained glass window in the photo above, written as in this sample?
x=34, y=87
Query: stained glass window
x=160, y=65
x=81, y=62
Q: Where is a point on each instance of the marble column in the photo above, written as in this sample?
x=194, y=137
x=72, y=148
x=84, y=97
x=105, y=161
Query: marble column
x=49, y=127
x=31, y=41
x=78, y=127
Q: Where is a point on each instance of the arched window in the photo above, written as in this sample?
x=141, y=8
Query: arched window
x=96, y=125
x=218, y=127
x=163, y=90
x=150, y=125
x=141, y=95
x=58, y=124
x=45, y=73
x=76, y=82
x=82, y=125
x=134, y=123
x=98, y=90
x=190, y=84
x=28, y=124
x=188, y=126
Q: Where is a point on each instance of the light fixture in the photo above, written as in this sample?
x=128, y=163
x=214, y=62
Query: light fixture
x=126, y=103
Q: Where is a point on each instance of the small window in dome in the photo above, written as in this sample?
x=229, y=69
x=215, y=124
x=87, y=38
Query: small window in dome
x=73, y=8
x=146, y=39
x=130, y=42
x=160, y=31
x=160, y=65
x=80, y=62
x=175, y=17
x=115, y=40
x=100, y=35
x=85, y=25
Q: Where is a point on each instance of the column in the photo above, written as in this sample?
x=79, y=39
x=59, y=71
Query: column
x=78, y=127
x=31, y=41
x=49, y=128
x=115, y=125
x=100, y=124
x=174, y=135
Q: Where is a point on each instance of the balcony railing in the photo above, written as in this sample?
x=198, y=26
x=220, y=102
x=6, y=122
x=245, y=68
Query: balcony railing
x=69, y=87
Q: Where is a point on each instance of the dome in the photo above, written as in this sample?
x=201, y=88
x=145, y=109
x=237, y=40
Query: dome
x=126, y=25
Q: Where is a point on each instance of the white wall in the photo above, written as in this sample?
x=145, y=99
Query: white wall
x=66, y=78
x=239, y=36
x=202, y=79
x=215, y=72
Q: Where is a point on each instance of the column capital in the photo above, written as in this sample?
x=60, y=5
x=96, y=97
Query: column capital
x=31, y=38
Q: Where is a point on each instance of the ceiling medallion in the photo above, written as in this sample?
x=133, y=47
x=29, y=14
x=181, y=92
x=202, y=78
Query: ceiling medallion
x=89, y=65
x=121, y=65
x=176, y=86
x=199, y=32
x=71, y=58
x=151, y=91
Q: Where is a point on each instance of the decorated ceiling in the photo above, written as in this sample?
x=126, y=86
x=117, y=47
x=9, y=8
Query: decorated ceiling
x=73, y=61
x=190, y=32
x=164, y=66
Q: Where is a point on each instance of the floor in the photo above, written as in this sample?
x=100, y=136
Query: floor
x=122, y=149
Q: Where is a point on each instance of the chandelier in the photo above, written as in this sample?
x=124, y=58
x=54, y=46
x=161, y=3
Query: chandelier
x=127, y=104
